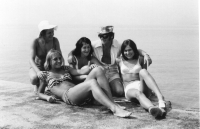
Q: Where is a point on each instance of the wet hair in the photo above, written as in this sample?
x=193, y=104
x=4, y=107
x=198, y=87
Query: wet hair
x=132, y=44
x=47, y=64
x=79, y=45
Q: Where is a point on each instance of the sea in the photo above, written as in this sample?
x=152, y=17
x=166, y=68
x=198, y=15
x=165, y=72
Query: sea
x=173, y=50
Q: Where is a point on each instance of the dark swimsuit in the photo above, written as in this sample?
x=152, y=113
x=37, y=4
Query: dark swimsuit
x=40, y=58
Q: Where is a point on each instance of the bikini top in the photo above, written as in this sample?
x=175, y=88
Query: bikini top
x=53, y=81
x=125, y=70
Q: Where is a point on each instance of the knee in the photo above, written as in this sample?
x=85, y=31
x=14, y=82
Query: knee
x=143, y=72
x=98, y=71
x=34, y=80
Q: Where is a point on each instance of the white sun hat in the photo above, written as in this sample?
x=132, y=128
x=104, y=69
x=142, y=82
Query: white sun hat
x=44, y=25
x=106, y=29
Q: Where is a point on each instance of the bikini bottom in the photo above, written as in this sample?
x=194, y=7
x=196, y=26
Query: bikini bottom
x=69, y=102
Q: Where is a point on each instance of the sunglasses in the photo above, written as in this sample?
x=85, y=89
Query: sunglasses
x=103, y=36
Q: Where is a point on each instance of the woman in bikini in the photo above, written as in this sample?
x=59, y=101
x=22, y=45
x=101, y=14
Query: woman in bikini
x=39, y=49
x=133, y=75
x=83, y=58
x=60, y=84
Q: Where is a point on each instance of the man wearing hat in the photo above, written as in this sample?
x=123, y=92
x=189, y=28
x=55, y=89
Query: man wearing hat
x=106, y=50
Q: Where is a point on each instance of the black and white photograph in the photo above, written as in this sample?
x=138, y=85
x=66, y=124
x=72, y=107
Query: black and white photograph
x=99, y=64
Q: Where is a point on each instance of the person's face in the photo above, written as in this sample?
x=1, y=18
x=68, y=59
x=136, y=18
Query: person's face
x=49, y=34
x=85, y=50
x=105, y=38
x=128, y=52
x=56, y=61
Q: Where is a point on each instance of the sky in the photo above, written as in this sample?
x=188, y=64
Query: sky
x=101, y=12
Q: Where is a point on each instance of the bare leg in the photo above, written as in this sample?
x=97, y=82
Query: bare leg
x=34, y=80
x=99, y=75
x=145, y=102
x=144, y=74
x=117, y=87
x=82, y=91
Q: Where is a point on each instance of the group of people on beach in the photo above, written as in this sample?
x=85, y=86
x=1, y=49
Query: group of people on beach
x=97, y=71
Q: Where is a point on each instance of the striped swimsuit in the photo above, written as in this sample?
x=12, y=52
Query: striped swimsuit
x=52, y=81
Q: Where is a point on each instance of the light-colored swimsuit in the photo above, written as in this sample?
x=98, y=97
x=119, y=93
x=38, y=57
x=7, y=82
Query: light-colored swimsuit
x=135, y=84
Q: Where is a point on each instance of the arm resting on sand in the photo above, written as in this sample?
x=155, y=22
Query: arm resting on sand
x=41, y=94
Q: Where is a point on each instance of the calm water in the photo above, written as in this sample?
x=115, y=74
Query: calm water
x=174, y=51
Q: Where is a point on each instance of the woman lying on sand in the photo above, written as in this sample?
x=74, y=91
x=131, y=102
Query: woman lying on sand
x=133, y=75
x=59, y=82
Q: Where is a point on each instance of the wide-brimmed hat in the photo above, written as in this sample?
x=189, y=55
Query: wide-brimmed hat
x=44, y=25
x=106, y=29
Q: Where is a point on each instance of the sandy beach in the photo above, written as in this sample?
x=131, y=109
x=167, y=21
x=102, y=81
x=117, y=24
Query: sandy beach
x=19, y=109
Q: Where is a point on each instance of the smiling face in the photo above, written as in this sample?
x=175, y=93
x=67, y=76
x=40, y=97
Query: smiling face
x=128, y=52
x=85, y=50
x=56, y=61
x=49, y=34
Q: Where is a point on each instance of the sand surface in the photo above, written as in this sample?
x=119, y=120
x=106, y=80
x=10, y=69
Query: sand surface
x=19, y=109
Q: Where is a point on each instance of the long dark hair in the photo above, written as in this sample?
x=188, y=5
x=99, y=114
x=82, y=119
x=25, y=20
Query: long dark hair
x=79, y=45
x=132, y=44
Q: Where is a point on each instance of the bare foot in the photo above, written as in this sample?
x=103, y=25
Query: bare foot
x=121, y=113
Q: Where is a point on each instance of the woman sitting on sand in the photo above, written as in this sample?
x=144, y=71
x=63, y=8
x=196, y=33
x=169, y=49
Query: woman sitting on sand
x=133, y=75
x=60, y=84
x=83, y=57
x=39, y=49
